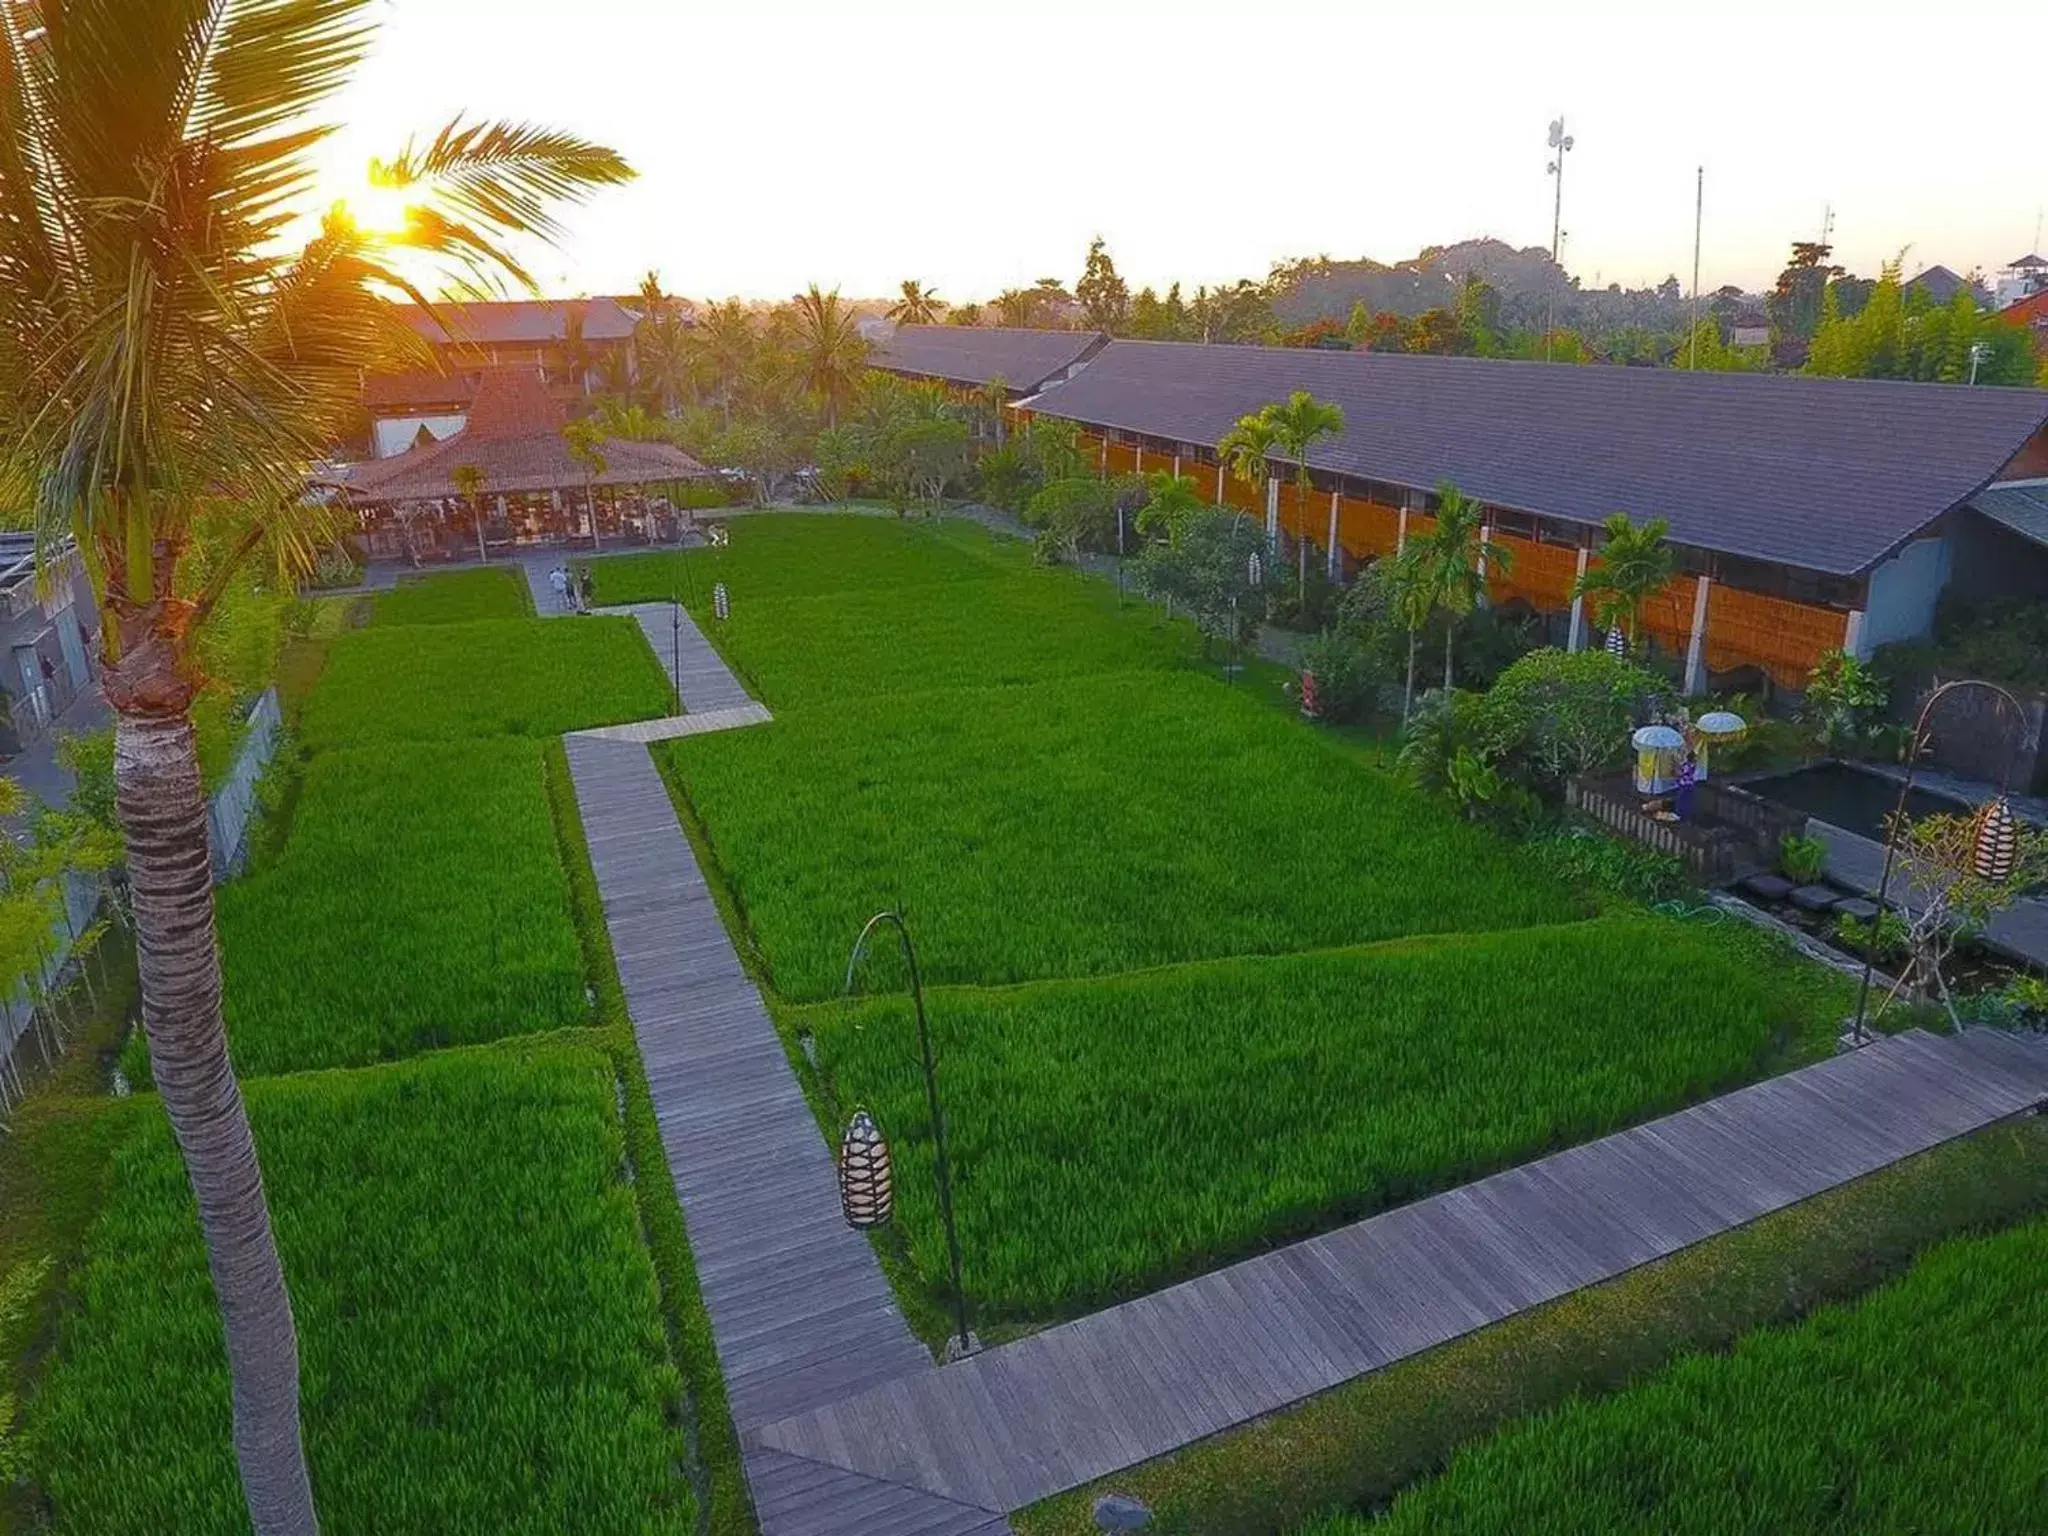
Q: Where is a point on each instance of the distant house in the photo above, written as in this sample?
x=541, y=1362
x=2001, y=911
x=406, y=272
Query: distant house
x=1942, y=285
x=1808, y=513
x=2021, y=279
x=1751, y=328
x=2031, y=312
x=48, y=631
x=568, y=340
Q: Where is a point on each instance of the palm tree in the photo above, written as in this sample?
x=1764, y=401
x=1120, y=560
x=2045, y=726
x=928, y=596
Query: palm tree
x=469, y=485
x=831, y=347
x=1634, y=565
x=1299, y=423
x=578, y=355
x=1247, y=451
x=727, y=341
x=918, y=306
x=1017, y=308
x=168, y=364
x=1412, y=590
x=995, y=398
x=586, y=446
x=1459, y=562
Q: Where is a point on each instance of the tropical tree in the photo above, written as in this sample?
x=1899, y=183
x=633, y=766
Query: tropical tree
x=918, y=306
x=1458, y=562
x=1299, y=423
x=1018, y=308
x=1247, y=450
x=169, y=369
x=579, y=357
x=1105, y=297
x=469, y=485
x=1634, y=564
x=964, y=315
x=585, y=438
x=993, y=398
x=726, y=341
x=1410, y=590
x=1171, y=507
x=832, y=352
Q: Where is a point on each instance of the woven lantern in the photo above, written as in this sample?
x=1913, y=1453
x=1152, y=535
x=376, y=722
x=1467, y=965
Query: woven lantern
x=1617, y=643
x=1254, y=570
x=721, y=602
x=867, y=1185
x=1997, y=844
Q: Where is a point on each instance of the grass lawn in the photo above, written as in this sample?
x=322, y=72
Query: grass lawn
x=803, y=554
x=1918, y=1408
x=1110, y=1135
x=504, y=677
x=419, y=901
x=455, y=597
x=481, y=1342
x=808, y=652
x=1092, y=825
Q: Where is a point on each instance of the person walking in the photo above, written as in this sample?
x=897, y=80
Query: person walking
x=558, y=580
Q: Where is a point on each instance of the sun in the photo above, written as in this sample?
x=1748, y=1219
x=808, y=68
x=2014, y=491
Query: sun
x=379, y=209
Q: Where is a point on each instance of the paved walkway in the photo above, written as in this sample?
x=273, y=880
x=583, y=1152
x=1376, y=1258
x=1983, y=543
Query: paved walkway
x=1081, y=1401
x=692, y=665
x=1857, y=863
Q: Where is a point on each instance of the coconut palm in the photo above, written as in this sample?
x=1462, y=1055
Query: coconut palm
x=832, y=350
x=1459, y=562
x=918, y=306
x=169, y=369
x=1633, y=566
x=727, y=341
x=1017, y=308
x=1247, y=450
x=1299, y=423
x=1411, y=588
x=585, y=440
x=994, y=398
x=469, y=485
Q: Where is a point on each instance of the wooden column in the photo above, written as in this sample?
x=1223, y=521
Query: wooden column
x=1273, y=509
x=1485, y=561
x=1401, y=531
x=1333, y=534
x=1219, y=482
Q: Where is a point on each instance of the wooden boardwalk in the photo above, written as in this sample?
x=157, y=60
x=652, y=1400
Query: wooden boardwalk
x=1089, y=1398
x=692, y=665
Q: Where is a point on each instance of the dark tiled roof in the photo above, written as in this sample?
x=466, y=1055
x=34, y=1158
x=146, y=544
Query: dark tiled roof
x=976, y=354
x=2022, y=508
x=1826, y=474
x=514, y=436
x=419, y=387
x=520, y=322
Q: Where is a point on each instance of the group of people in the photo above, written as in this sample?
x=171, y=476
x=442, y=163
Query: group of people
x=571, y=587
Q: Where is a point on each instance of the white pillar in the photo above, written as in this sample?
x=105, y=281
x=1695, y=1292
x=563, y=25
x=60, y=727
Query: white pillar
x=1137, y=458
x=1485, y=562
x=1852, y=636
x=1333, y=535
x=1576, y=641
x=1273, y=509
x=1401, y=531
x=1696, y=647
x=1176, y=466
x=1105, y=456
x=1219, y=482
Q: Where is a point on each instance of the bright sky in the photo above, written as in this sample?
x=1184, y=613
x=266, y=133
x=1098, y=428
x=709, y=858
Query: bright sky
x=978, y=145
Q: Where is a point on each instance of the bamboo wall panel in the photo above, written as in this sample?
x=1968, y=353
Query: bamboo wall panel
x=1090, y=448
x=1785, y=638
x=1295, y=522
x=1667, y=615
x=1242, y=495
x=1121, y=460
x=1542, y=575
x=1367, y=529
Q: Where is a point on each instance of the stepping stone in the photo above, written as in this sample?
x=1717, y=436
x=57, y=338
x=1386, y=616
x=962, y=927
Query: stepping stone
x=1816, y=898
x=1767, y=886
x=1857, y=907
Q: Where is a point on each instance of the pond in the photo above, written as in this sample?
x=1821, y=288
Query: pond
x=1849, y=797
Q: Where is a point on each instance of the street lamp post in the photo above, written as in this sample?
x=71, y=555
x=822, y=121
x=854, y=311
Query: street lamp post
x=1560, y=143
x=1994, y=821
x=861, y=1176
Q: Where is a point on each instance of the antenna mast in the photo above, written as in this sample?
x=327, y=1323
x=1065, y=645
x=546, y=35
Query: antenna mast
x=1560, y=143
x=1699, y=208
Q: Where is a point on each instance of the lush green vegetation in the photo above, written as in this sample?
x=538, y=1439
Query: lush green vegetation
x=482, y=1344
x=1096, y=824
x=1109, y=1135
x=1355, y=1447
x=811, y=651
x=455, y=597
x=799, y=555
x=1915, y=1409
x=442, y=682
x=419, y=902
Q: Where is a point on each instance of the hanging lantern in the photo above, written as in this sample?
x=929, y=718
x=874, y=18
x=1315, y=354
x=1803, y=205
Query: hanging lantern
x=867, y=1184
x=1253, y=570
x=1997, y=843
x=721, y=602
x=1617, y=643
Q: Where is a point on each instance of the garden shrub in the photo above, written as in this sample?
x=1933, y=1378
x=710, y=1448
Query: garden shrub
x=1347, y=679
x=1556, y=714
x=1617, y=865
x=1803, y=860
x=1845, y=704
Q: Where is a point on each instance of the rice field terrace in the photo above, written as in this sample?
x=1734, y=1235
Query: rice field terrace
x=1865, y=1417
x=482, y=1347
x=444, y=681
x=419, y=902
x=1207, y=981
x=455, y=597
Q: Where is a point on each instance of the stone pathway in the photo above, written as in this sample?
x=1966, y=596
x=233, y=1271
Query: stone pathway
x=1084, y=1400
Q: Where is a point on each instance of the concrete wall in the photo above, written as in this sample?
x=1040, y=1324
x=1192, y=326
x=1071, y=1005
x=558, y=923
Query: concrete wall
x=1904, y=590
x=1990, y=561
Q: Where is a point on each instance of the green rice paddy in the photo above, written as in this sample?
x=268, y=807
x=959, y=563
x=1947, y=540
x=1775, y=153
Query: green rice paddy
x=456, y=597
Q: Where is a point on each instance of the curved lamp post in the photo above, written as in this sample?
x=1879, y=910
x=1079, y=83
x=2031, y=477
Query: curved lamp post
x=866, y=1177
x=1997, y=837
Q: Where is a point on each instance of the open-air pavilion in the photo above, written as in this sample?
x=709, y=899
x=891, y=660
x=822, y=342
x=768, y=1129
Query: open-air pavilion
x=528, y=486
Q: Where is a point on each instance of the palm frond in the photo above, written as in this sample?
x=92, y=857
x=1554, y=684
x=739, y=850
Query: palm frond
x=505, y=176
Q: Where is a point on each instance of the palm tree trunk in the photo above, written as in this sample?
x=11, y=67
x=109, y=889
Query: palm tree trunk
x=1408, y=693
x=1450, y=636
x=162, y=812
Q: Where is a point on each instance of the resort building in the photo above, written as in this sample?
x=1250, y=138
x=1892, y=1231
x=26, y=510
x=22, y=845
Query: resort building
x=572, y=343
x=48, y=627
x=507, y=477
x=1808, y=513
x=971, y=357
